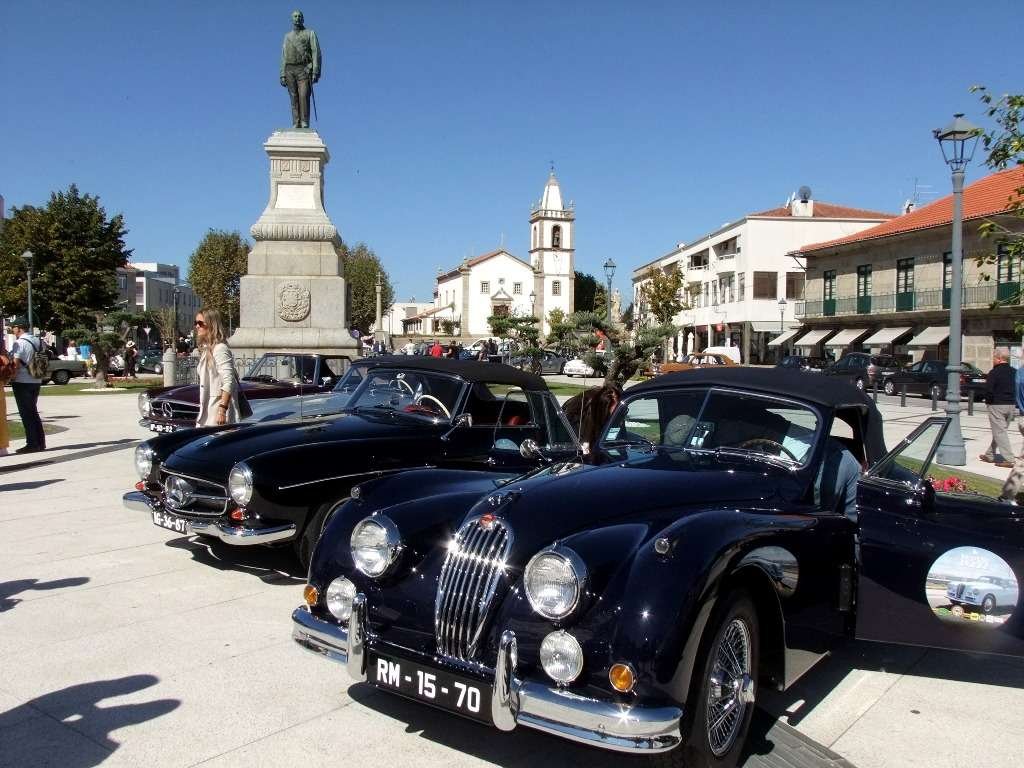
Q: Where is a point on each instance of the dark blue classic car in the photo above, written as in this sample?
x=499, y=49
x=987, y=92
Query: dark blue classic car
x=273, y=482
x=728, y=538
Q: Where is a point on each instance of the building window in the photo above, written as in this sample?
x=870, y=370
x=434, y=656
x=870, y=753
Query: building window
x=766, y=285
x=556, y=288
x=556, y=236
x=864, y=280
x=905, y=276
x=485, y=287
x=534, y=235
x=1008, y=274
x=794, y=285
x=741, y=292
x=517, y=289
x=725, y=289
x=829, y=286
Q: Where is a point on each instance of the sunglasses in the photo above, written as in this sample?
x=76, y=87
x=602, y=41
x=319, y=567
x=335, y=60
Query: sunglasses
x=200, y=324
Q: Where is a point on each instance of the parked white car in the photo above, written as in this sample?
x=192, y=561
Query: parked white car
x=576, y=367
x=986, y=592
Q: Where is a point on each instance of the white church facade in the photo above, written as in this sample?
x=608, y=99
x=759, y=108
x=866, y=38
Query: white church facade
x=499, y=282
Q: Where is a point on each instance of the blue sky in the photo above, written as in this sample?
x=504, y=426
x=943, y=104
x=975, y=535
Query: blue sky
x=664, y=120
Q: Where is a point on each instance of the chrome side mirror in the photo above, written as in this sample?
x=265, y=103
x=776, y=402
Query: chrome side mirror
x=529, y=449
x=462, y=420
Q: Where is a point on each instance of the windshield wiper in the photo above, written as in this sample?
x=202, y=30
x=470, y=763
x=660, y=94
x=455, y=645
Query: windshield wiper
x=637, y=440
x=746, y=453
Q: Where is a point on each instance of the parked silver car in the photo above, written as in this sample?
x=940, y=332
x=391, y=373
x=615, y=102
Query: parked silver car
x=989, y=593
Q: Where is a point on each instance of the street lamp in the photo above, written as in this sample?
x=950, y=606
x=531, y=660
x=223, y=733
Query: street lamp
x=533, y=303
x=27, y=256
x=175, y=292
x=609, y=272
x=957, y=141
x=782, y=312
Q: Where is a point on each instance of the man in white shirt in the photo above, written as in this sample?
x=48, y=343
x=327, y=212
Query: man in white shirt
x=26, y=386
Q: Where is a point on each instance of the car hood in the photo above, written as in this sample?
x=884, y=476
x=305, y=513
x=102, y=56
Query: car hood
x=298, y=406
x=555, y=504
x=212, y=456
x=189, y=393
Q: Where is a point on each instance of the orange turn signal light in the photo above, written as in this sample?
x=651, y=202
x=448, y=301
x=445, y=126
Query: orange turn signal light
x=238, y=514
x=621, y=677
x=310, y=595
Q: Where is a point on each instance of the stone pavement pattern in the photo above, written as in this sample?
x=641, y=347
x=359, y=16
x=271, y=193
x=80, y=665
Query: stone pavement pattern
x=124, y=644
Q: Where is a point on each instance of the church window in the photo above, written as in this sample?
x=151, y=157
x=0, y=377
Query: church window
x=485, y=286
x=556, y=287
x=517, y=289
x=556, y=236
x=535, y=237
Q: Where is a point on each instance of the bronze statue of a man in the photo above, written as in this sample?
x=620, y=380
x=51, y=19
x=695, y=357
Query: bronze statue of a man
x=300, y=68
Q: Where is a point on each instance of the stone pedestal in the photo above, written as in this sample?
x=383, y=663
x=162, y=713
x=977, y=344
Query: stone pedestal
x=293, y=294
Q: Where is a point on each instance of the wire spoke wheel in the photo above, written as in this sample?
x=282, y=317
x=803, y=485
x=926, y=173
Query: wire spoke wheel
x=729, y=679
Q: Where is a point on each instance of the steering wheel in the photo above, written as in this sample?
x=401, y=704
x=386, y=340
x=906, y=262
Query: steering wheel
x=421, y=398
x=397, y=385
x=764, y=441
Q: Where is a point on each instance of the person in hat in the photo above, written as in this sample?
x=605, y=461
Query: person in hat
x=26, y=386
x=131, y=356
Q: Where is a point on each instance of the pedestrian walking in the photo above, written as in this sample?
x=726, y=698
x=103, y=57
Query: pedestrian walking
x=7, y=371
x=26, y=385
x=436, y=350
x=218, y=381
x=1001, y=399
x=131, y=356
x=1015, y=482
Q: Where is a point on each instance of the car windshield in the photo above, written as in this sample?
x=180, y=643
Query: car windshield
x=283, y=368
x=353, y=378
x=419, y=393
x=726, y=421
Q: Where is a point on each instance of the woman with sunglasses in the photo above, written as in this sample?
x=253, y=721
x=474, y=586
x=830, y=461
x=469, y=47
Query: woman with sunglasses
x=218, y=381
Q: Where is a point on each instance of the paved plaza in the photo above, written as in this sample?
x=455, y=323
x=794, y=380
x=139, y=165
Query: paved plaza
x=125, y=644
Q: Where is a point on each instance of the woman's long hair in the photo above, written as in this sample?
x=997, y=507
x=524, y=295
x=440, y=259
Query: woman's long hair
x=588, y=411
x=214, y=329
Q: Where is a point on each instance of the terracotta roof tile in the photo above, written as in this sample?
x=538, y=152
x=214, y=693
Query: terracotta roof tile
x=823, y=210
x=477, y=260
x=985, y=197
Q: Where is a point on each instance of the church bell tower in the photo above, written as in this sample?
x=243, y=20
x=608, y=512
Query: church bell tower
x=552, y=252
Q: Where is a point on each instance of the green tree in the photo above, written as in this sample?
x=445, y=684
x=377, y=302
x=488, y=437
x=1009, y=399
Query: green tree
x=77, y=250
x=662, y=293
x=625, y=353
x=105, y=344
x=361, y=269
x=584, y=290
x=215, y=271
x=1005, y=146
x=523, y=331
x=561, y=332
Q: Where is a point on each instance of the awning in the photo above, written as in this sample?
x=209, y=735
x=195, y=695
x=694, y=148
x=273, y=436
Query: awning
x=884, y=336
x=846, y=338
x=783, y=338
x=930, y=337
x=814, y=337
x=770, y=326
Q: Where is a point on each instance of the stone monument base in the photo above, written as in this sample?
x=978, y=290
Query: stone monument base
x=293, y=296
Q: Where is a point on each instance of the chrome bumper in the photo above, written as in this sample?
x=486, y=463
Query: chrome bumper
x=229, y=534
x=599, y=723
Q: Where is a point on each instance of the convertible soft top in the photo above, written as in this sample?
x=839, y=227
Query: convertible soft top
x=828, y=391
x=470, y=370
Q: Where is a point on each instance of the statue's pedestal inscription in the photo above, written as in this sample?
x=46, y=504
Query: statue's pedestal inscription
x=293, y=295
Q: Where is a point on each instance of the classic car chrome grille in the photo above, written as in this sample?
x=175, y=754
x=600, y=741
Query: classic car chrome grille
x=468, y=582
x=193, y=496
x=172, y=410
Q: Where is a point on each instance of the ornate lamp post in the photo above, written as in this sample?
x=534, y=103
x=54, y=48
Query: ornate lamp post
x=957, y=141
x=175, y=292
x=533, y=302
x=782, y=313
x=609, y=272
x=27, y=256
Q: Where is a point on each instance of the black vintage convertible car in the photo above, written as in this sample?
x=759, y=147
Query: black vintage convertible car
x=270, y=483
x=741, y=521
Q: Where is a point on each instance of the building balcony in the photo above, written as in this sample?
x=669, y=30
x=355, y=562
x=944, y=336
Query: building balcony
x=974, y=297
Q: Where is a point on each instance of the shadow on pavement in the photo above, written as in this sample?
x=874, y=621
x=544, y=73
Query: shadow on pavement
x=99, y=444
x=10, y=588
x=77, y=708
x=810, y=691
x=271, y=565
x=103, y=447
x=28, y=485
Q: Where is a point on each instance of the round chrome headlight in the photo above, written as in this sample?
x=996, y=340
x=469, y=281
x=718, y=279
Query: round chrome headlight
x=145, y=406
x=561, y=656
x=340, y=594
x=143, y=460
x=554, y=582
x=375, y=544
x=240, y=484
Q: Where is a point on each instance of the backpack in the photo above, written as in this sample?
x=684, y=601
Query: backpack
x=39, y=365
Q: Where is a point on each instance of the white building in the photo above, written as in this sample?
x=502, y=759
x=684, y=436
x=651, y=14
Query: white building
x=498, y=282
x=405, y=317
x=736, y=277
x=151, y=286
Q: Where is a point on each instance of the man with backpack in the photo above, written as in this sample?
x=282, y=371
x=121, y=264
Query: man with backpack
x=31, y=367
